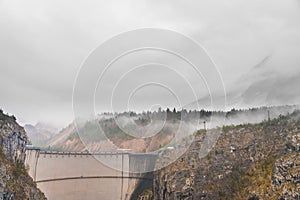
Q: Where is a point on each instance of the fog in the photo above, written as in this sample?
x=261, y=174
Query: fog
x=254, y=44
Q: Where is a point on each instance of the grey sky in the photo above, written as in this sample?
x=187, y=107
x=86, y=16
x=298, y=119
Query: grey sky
x=43, y=44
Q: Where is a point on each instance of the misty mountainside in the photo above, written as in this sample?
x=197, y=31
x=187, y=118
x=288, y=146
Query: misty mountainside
x=262, y=85
x=250, y=161
x=40, y=133
x=150, y=131
x=15, y=183
x=103, y=135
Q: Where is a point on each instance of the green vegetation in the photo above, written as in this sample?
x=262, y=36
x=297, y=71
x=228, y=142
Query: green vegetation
x=200, y=132
x=257, y=178
x=18, y=169
x=228, y=128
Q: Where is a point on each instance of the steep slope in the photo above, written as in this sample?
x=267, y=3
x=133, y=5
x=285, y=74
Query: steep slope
x=251, y=161
x=15, y=183
x=92, y=138
x=60, y=139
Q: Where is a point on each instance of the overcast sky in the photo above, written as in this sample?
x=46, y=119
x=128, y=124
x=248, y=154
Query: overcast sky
x=43, y=44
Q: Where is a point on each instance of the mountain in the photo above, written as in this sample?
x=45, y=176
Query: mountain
x=58, y=141
x=40, y=133
x=249, y=161
x=92, y=138
x=129, y=130
x=15, y=183
x=260, y=86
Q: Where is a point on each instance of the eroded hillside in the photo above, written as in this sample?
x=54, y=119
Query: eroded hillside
x=251, y=161
x=127, y=130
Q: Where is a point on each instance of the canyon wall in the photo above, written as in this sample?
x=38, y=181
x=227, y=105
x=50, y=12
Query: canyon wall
x=15, y=183
x=251, y=161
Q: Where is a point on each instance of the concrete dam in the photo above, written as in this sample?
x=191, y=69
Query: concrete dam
x=85, y=175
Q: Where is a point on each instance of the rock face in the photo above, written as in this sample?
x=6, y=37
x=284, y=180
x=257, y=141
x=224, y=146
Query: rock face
x=252, y=161
x=286, y=176
x=12, y=139
x=15, y=183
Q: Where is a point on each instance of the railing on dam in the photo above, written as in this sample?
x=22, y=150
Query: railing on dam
x=117, y=172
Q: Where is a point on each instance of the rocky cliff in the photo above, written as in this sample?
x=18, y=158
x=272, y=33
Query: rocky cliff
x=15, y=183
x=251, y=161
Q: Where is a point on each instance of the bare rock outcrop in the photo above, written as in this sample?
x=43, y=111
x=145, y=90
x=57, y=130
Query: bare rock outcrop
x=15, y=183
x=250, y=161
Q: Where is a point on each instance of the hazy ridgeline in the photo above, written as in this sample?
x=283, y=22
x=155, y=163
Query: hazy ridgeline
x=234, y=116
x=150, y=131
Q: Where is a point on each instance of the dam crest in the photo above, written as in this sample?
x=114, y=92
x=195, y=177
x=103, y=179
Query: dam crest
x=89, y=175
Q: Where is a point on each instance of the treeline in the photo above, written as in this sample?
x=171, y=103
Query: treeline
x=188, y=115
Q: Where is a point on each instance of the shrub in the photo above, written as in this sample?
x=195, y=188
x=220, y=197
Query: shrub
x=18, y=169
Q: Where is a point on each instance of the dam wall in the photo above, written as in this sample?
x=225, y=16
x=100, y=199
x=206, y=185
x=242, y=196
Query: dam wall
x=82, y=175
